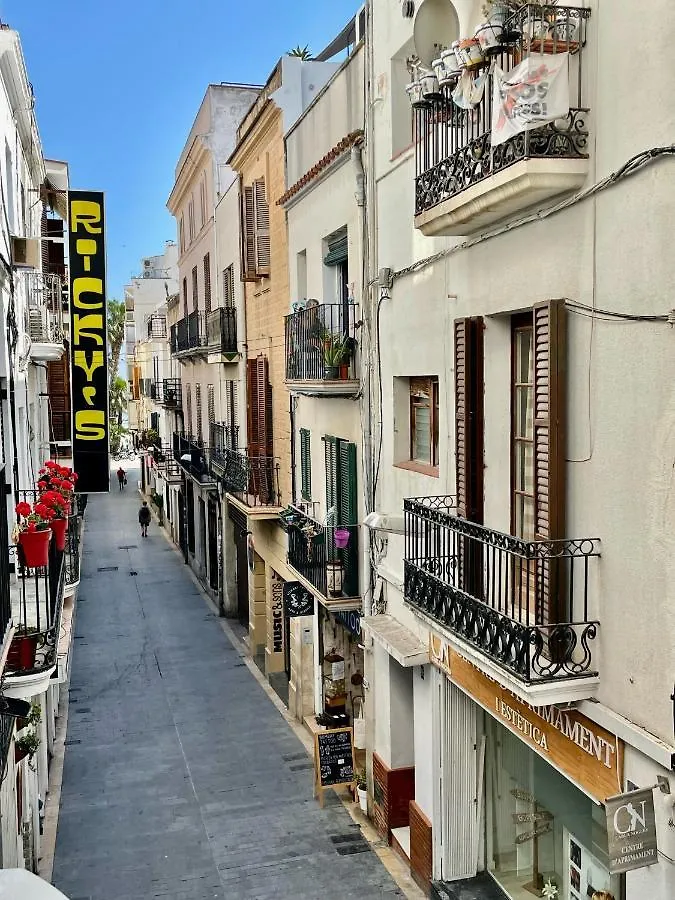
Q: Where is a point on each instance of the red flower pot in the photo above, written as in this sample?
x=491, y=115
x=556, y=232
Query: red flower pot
x=21, y=656
x=59, y=528
x=35, y=546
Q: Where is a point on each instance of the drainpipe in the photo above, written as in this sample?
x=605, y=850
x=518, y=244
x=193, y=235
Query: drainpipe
x=291, y=410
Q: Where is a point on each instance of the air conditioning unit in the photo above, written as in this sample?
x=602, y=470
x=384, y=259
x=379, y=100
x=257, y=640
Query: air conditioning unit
x=147, y=263
x=385, y=522
x=26, y=252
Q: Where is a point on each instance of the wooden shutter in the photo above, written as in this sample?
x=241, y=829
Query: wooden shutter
x=198, y=410
x=305, y=465
x=228, y=287
x=185, y=298
x=58, y=388
x=262, y=228
x=231, y=414
x=195, y=295
x=248, y=272
x=469, y=418
x=330, y=453
x=260, y=408
x=207, y=283
x=188, y=408
x=210, y=404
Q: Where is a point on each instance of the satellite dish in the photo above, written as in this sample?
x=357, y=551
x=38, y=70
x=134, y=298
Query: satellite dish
x=436, y=27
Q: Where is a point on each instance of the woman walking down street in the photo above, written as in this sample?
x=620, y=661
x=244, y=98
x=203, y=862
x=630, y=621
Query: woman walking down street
x=121, y=477
x=144, y=518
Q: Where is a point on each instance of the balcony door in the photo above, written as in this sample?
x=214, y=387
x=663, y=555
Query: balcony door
x=341, y=508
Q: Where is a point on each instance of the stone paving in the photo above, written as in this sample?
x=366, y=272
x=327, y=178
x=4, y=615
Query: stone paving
x=181, y=779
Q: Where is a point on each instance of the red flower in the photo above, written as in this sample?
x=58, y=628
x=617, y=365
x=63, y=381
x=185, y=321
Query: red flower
x=31, y=527
x=42, y=485
x=67, y=486
x=41, y=509
x=23, y=509
x=74, y=476
x=50, y=464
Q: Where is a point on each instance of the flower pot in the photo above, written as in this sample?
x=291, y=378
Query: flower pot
x=363, y=797
x=489, y=36
x=344, y=371
x=430, y=88
x=447, y=68
x=470, y=53
x=341, y=538
x=414, y=92
x=21, y=656
x=331, y=373
x=35, y=546
x=564, y=30
x=59, y=528
x=19, y=753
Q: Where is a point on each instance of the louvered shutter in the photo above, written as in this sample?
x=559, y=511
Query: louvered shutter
x=347, y=515
x=469, y=418
x=195, y=293
x=59, y=398
x=231, y=414
x=198, y=410
x=185, y=298
x=44, y=245
x=252, y=410
x=262, y=228
x=330, y=453
x=207, y=283
x=549, y=449
x=248, y=272
x=228, y=287
x=210, y=404
x=188, y=408
x=305, y=465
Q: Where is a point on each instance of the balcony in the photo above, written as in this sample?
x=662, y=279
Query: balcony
x=188, y=336
x=330, y=572
x=193, y=455
x=221, y=335
x=518, y=609
x=156, y=327
x=71, y=559
x=156, y=391
x=321, y=357
x=251, y=481
x=165, y=463
x=44, y=315
x=463, y=182
x=172, y=393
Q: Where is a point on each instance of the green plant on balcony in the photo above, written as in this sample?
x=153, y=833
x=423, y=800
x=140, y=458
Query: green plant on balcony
x=336, y=352
x=27, y=745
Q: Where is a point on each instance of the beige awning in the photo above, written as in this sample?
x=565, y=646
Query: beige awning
x=399, y=642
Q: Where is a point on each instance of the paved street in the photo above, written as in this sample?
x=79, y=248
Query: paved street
x=182, y=781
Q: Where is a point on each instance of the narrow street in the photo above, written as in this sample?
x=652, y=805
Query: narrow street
x=181, y=779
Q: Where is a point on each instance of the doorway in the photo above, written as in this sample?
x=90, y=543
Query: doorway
x=213, y=545
x=239, y=522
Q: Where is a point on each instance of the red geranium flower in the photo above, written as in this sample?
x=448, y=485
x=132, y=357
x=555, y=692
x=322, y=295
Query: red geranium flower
x=31, y=527
x=23, y=509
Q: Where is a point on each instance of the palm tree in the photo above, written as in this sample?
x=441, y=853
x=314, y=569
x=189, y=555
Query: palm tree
x=117, y=400
x=116, y=326
x=303, y=53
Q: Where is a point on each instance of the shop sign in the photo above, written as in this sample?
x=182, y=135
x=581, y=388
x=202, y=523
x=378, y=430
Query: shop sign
x=297, y=600
x=589, y=755
x=89, y=341
x=277, y=614
x=631, y=831
x=533, y=833
x=351, y=621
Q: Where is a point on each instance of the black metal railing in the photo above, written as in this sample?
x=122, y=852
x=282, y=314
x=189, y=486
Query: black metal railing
x=252, y=479
x=44, y=307
x=453, y=145
x=314, y=553
x=193, y=455
x=37, y=604
x=221, y=329
x=189, y=333
x=156, y=327
x=172, y=393
x=321, y=343
x=72, y=552
x=522, y=603
x=223, y=438
x=5, y=594
x=156, y=391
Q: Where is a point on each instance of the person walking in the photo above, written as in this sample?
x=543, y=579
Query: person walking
x=121, y=477
x=144, y=518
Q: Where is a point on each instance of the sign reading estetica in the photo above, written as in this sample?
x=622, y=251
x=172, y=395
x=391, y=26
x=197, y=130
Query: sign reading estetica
x=89, y=341
x=591, y=756
x=631, y=831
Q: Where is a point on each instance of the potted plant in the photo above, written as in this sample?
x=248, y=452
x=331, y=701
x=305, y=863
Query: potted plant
x=59, y=522
x=335, y=352
x=362, y=789
x=21, y=656
x=27, y=745
x=341, y=538
x=33, y=533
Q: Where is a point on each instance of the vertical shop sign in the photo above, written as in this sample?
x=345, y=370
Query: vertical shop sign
x=277, y=614
x=89, y=341
x=631, y=831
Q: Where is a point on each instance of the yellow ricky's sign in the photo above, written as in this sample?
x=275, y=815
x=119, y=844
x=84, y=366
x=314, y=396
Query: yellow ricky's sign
x=89, y=341
x=589, y=755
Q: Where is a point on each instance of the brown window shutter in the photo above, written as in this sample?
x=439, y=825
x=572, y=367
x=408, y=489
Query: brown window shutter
x=207, y=283
x=195, y=290
x=247, y=235
x=198, y=411
x=262, y=228
x=185, y=298
x=469, y=418
x=264, y=401
x=252, y=408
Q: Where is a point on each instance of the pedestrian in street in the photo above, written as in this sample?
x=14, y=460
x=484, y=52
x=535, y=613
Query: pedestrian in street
x=121, y=477
x=144, y=518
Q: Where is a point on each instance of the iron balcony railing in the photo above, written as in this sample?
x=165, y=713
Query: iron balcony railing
x=252, y=479
x=44, y=307
x=156, y=391
x=314, y=554
x=193, y=455
x=156, y=327
x=37, y=604
x=221, y=329
x=172, y=393
x=189, y=334
x=72, y=552
x=5, y=595
x=524, y=604
x=453, y=148
x=223, y=438
x=321, y=343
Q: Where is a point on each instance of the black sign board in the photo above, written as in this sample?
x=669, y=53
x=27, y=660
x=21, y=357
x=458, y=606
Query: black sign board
x=297, y=600
x=88, y=341
x=335, y=757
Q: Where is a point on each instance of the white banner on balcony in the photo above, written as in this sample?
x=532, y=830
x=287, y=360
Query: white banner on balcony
x=535, y=92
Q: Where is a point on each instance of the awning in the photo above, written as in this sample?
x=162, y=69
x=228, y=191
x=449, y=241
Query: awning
x=399, y=642
x=338, y=249
x=16, y=883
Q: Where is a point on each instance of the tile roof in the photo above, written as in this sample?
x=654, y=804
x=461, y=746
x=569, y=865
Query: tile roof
x=341, y=147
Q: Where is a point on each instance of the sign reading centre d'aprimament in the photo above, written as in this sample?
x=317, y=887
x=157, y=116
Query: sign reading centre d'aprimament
x=631, y=831
x=88, y=341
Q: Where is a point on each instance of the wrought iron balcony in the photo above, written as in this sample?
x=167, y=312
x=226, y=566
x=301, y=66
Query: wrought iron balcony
x=193, y=455
x=188, y=335
x=523, y=604
x=44, y=314
x=464, y=182
x=321, y=349
x=72, y=552
x=223, y=438
x=221, y=330
x=172, y=393
x=252, y=479
x=156, y=327
x=314, y=553
x=156, y=391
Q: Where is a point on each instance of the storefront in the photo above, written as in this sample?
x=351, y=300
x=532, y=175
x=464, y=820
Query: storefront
x=530, y=788
x=341, y=666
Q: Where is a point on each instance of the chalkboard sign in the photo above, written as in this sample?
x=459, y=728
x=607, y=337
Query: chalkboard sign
x=334, y=757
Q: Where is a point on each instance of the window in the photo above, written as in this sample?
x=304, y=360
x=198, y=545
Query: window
x=198, y=411
x=191, y=218
x=207, y=283
x=202, y=202
x=195, y=296
x=255, y=232
x=305, y=465
x=522, y=427
x=424, y=420
x=181, y=233
x=188, y=409
x=185, y=298
x=228, y=286
x=231, y=416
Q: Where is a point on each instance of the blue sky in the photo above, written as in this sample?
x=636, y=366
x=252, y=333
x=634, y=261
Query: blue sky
x=118, y=83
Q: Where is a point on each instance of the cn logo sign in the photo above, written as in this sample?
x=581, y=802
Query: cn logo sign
x=627, y=819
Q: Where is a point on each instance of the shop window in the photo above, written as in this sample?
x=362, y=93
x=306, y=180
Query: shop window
x=305, y=465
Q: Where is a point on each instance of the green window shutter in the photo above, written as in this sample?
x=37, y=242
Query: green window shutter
x=305, y=465
x=330, y=448
x=347, y=511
